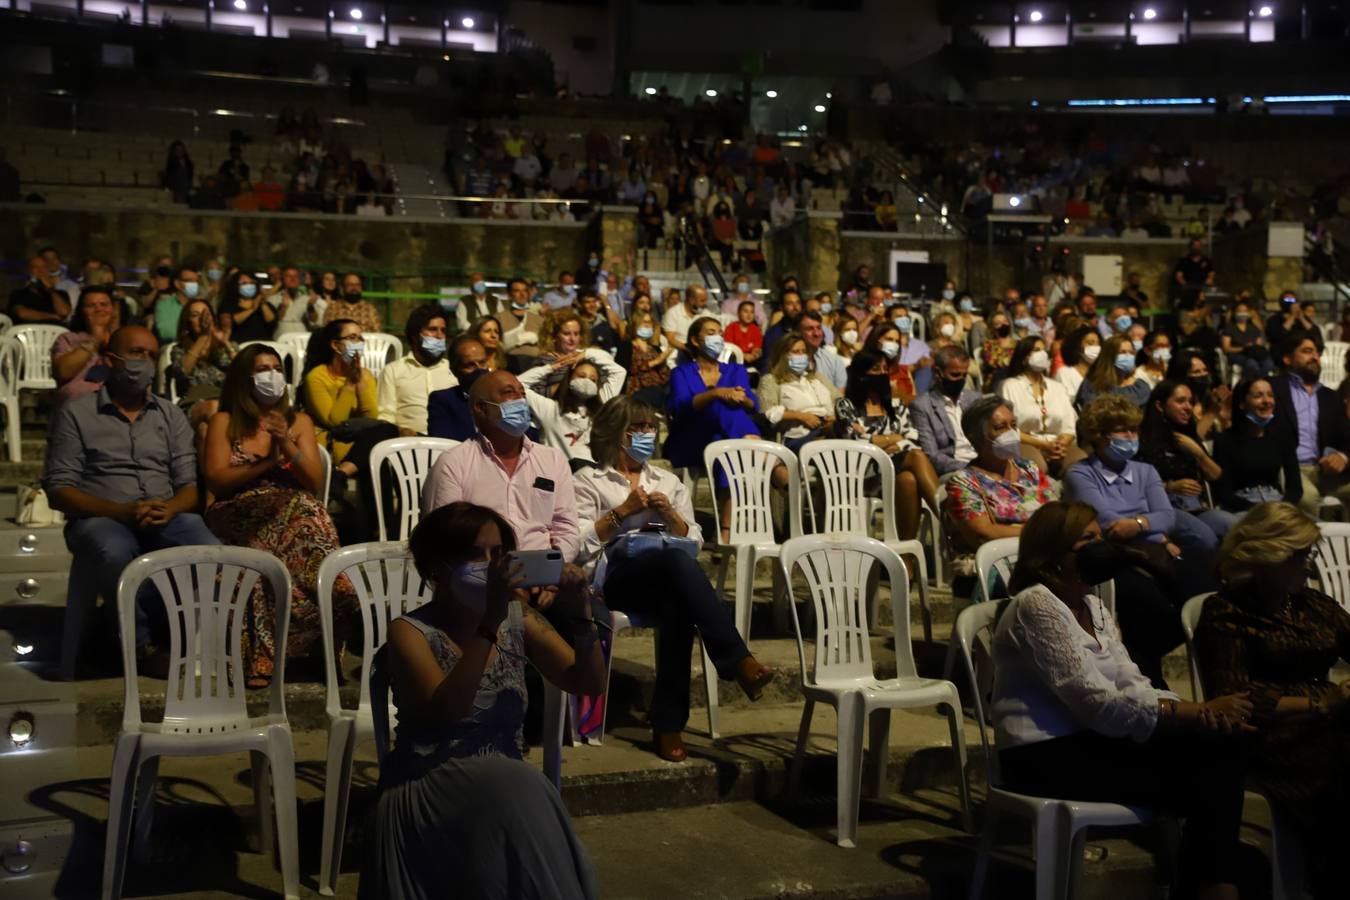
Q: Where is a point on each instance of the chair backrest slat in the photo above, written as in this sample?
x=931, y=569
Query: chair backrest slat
x=1333, y=561
x=409, y=460
x=748, y=466
x=36, y=342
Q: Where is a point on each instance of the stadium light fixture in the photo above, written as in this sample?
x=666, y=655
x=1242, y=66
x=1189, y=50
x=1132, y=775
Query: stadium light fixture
x=467, y=21
x=650, y=92
x=355, y=13
x=772, y=95
x=1036, y=15
x=1265, y=12
x=820, y=107
x=1014, y=201
x=710, y=92
x=241, y=5
x=1150, y=14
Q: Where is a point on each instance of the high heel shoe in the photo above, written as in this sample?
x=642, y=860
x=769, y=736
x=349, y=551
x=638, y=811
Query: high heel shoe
x=669, y=746
x=753, y=676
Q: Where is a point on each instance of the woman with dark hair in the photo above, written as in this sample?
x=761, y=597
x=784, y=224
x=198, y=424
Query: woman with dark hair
x=1114, y=373
x=586, y=381
x=1044, y=410
x=866, y=413
x=197, y=362
x=1244, y=343
x=263, y=472
x=78, y=363
x=1255, y=457
x=178, y=178
x=1168, y=442
x=460, y=813
x=328, y=287
x=1066, y=690
x=884, y=340
x=996, y=351
x=405, y=384
x=1153, y=358
x=645, y=353
x=245, y=315
x=1211, y=402
x=623, y=494
x=1080, y=350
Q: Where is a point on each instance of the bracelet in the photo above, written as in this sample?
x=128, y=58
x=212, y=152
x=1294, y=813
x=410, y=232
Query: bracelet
x=615, y=520
x=1143, y=526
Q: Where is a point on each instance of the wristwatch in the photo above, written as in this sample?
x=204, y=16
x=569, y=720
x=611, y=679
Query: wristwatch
x=1143, y=526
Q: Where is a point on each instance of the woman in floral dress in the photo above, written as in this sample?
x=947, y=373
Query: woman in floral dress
x=264, y=472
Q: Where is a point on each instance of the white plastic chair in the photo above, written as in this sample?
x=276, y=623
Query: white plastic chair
x=387, y=585
x=296, y=343
x=748, y=465
x=281, y=348
x=380, y=349
x=998, y=555
x=841, y=468
x=165, y=384
x=1059, y=827
x=11, y=363
x=1333, y=561
x=410, y=460
x=206, y=592
x=836, y=571
x=1333, y=363
x=36, y=341
x=6, y=323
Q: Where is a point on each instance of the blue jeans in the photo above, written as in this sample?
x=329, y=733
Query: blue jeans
x=1201, y=530
x=106, y=546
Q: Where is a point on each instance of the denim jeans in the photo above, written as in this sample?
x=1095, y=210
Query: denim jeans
x=1201, y=529
x=107, y=545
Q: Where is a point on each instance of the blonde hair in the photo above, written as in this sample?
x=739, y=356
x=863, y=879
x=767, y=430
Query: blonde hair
x=1107, y=414
x=1268, y=535
x=552, y=327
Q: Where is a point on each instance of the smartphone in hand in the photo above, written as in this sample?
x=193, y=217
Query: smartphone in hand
x=540, y=568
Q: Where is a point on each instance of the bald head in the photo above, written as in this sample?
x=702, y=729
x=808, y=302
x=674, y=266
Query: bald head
x=490, y=385
x=485, y=397
x=133, y=341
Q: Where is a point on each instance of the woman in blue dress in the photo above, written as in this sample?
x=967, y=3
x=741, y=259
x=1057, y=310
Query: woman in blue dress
x=460, y=814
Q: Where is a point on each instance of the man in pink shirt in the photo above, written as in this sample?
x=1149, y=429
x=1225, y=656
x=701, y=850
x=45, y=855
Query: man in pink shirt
x=529, y=484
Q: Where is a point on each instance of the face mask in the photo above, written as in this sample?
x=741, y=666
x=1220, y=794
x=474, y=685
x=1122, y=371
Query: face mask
x=1008, y=445
x=742, y=288
x=1039, y=361
x=1101, y=561
x=1123, y=449
x=797, y=363
x=948, y=294
x=1162, y=356
x=904, y=324
x=449, y=303
x=135, y=376
x=513, y=416
x=891, y=349
x=951, y=387
x=469, y=584
x=713, y=345
x=433, y=346
x=248, y=291
x=214, y=274
x=520, y=307
x=947, y=329
x=1023, y=323
x=1243, y=317
x=645, y=332
x=584, y=388
x=1259, y=421
x=570, y=290
x=1003, y=330
x=1137, y=344
x=1125, y=363
x=1091, y=352
x=480, y=287
x=352, y=296
x=826, y=308
x=351, y=348
x=879, y=385
x=1123, y=322
x=967, y=305
x=850, y=338
x=269, y=386
x=593, y=262
x=191, y=289
x=641, y=446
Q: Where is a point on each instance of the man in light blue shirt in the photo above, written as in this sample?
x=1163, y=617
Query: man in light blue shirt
x=565, y=294
x=829, y=364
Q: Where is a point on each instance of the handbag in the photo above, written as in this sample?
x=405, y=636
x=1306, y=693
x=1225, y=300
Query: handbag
x=33, y=509
x=634, y=544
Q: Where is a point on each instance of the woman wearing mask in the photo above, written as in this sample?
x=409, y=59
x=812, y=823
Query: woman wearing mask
x=1154, y=358
x=198, y=362
x=340, y=394
x=884, y=340
x=215, y=279
x=996, y=352
x=947, y=332
x=1253, y=456
x=797, y=402
x=405, y=384
x=243, y=314
x=915, y=354
x=646, y=356
x=1244, y=342
x=846, y=337
x=1067, y=690
x=1114, y=373
x=78, y=362
x=586, y=381
x=1042, y=407
x=459, y=809
x=1080, y=350
x=622, y=494
x=1212, y=406
x=488, y=332
x=562, y=337
x=971, y=322
x=263, y=471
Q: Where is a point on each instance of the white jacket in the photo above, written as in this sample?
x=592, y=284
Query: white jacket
x=570, y=432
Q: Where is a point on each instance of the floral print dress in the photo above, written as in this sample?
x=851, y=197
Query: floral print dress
x=973, y=492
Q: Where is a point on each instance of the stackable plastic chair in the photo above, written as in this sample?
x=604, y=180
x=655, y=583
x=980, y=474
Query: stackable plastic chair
x=326, y=459
x=1059, y=827
x=165, y=384
x=1333, y=363
x=206, y=592
x=410, y=460
x=1333, y=561
x=380, y=349
x=748, y=465
x=387, y=586
x=841, y=469
x=295, y=343
x=11, y=364
x=836, y=571
x=36, y=341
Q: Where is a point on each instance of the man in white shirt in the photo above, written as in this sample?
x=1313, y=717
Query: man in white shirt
x=678, y=318
x=829, y=364
x=937, y=413
x=405, y=384
x=297, y=308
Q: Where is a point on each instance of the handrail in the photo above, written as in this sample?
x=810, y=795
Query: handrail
x=447, y=198
x=1331, y=271
x=886, y=155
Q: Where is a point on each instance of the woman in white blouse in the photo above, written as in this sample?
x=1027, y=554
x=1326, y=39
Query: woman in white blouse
x=588, y=379
x=623, y=493
x=1080, y=350
x=1042, y=407
x=795, y=400
x=1154, y=358
x=1074, y=718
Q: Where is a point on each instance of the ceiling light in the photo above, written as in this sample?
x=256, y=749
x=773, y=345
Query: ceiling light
x=1264, y=11
x=355, y=14
x=1150, y=14
x=820, y=107
x=1036, y=15
x=802, y=128
x=23, y=649
x=829, y=96
x=771, y=94
x=650, y=92
x=467, y=22
x=710, y=92
x=1014, y=201
x=240, y=5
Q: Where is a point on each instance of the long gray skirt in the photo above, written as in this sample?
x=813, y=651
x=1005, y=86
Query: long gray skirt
x=480, y=828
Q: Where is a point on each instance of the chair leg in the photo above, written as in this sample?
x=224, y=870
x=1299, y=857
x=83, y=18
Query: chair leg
x=987, y=832
x=955, y=723
x=1049, y=855
x=710, y=681
x=848, y=781
x=121, y=800
x=281, y=762
x=925, y=608
x=337, y=787
x=799, y=755
x=879, y=748
x=262, y=800
x=1073, y=840
x=12, y=435
x=144, y=814
x=555, y=711
x=745, y=589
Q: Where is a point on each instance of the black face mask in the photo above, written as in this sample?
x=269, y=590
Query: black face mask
x=1200, y=384
x=466, y=381
x=1003, y=330
x=1102, y=560
x=879, y=385
x=352, y=296
x=952, y=388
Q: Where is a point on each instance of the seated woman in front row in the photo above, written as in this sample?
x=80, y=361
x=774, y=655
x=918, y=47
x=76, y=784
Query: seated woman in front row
x=622, y=495
x=1074, y=717
x=460, y=814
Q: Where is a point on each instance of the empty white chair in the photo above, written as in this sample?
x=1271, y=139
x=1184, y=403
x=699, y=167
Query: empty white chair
x=380, y=349
x=11, y=363
x=841, y=469
x=35, y=370
x=1333, y=561
x=836, y=571
x=1333, y=363
x=206, y=592
x=1059, y=827
x=410, y=460
x=748, y=465
x=297, y=344
x=165, y=384
x=387, y=585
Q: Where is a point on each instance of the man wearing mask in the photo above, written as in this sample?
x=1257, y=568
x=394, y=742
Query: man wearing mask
x=564, y=294
x=937, y=412
x=56, y=267
x=353, y=307
x=1087, y=307
x=789, y=320
x=740, y=292
x=298, y=309
x=405, y=385
x=675, y=323
x=448, y=412
x=1313, y=418
x=521, y=323
x=38, y=301
x=1041, y=323
x=1116, y=321
x=168, y=308
x=829, y=364
x=476, y=304
x=120, y=465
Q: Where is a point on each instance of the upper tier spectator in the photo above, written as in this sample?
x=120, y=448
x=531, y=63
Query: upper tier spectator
x=39, y=301
x=1313, y=418
x=247, y=316
x=1294, y=320
x=449, y=414
x=1192, y=274
x=79, y=363
x=120, y=465
x=406, y=384
x=937, y=412
x=352, y=306
x=178, y=175
x=233, y=171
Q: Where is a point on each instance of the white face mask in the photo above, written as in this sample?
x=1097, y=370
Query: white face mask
x=269, y=386
x=1091, y=352
x=1008, y=445
x=469, y=585
x=947, y=329
x=584, y=388
x=1039, y=361
x=850, y=338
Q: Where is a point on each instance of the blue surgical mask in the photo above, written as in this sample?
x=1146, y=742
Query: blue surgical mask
x=826, y=308
x=1259, y=421
x=1125, y=363
x=742, y=288
x=713, y=345
x=1024, y=323
x=214, y=274
x=248, y=291
x=904, y=323
x=642, y=445
x=520, y=307
x=513, y=416
x=593, y=261
x=351, y=348
x=1123, y=449
x=948, y=294
x=433, y=346
x=480, y=287
x=797, y=363
x=1123, y=322
x=191, y=289
x=967, y=305
x=645, y=332
x=449, y=303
